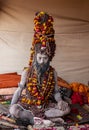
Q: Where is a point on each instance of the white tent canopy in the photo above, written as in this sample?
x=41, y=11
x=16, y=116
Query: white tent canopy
x=71, y=24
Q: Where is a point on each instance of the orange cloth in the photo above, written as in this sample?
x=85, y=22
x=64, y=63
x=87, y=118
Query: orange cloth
x=9, y=80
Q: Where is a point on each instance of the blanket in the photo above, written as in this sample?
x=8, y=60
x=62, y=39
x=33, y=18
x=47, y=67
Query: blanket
x=9, y=80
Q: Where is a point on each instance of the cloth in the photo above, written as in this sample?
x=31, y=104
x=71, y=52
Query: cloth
x=39, y=112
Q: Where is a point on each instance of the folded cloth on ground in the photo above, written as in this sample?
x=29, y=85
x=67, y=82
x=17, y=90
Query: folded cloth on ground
x=9, y=80
x=62, y=82
x=7, y=91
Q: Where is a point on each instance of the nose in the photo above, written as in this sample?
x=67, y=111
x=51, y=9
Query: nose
x=42, y=61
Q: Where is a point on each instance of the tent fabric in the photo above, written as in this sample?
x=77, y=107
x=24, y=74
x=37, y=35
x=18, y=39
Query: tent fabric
x=71, y=24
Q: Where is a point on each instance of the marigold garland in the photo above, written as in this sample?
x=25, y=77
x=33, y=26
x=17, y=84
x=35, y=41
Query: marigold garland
x=40, y=95
x=43, y=32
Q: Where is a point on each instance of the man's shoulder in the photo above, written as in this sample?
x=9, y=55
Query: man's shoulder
x=51, y=67
x=54, y=71
x=26, y=68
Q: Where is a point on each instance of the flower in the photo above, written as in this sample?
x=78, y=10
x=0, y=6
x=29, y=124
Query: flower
x=40, y=95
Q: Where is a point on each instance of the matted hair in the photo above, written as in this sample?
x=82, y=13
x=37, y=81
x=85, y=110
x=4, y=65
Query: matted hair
x=43, y=39
x=49, y=50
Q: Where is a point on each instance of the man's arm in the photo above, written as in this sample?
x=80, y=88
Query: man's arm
x=57, y=94
x=20, y=88
x=62, y=105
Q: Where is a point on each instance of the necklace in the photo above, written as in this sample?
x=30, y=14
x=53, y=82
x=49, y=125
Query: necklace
x=40, y=94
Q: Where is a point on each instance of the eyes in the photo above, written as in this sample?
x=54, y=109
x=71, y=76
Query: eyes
x=41, y=58
x=45, y=58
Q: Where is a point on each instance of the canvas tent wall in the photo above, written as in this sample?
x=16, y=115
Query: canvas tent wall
x=71, y=24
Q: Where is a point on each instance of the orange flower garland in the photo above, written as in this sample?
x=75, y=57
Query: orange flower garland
x=40, y=94
x=44, y=35
x=43, y=32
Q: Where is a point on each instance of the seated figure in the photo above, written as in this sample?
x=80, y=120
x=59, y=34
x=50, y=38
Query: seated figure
x=42, y=97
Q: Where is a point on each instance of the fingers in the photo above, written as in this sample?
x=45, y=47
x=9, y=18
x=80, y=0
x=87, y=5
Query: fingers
x=62, y=105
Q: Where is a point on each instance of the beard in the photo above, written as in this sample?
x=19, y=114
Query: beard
x=41, y=69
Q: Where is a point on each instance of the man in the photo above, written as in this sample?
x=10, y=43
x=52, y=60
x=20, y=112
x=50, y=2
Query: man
x=42, y=98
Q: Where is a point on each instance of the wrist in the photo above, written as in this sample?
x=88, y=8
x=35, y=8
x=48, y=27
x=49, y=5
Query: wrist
x=58, y=97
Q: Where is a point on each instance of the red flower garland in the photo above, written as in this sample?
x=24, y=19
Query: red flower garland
x=40, y=95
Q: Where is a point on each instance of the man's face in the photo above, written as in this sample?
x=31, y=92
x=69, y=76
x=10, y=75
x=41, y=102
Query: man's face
x=41, y=63
x=42, y=59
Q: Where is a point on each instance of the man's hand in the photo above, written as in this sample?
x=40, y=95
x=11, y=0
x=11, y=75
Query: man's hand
x=62, y=105
x=22, y=114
